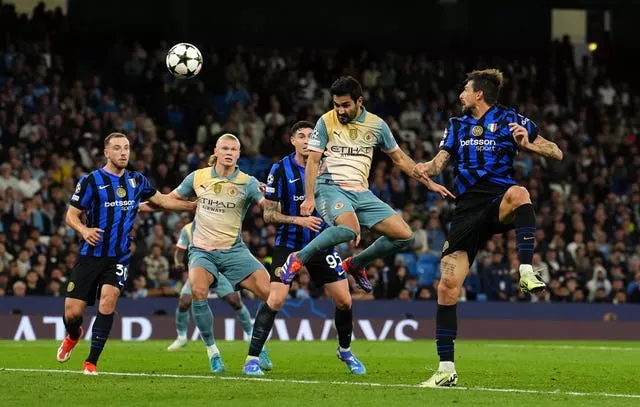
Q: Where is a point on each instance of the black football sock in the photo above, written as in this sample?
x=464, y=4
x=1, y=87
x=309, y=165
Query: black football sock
x=261, y=328
x=446, y=331
x=99, y=335
x=73, y=327
x=525, y=220
x=344, y=325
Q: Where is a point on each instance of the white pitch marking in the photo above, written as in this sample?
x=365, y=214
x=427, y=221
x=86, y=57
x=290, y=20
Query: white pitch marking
x=365, y=384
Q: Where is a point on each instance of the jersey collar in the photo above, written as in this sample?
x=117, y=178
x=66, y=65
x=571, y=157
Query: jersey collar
x=292, y=158
x=230, y=177
x=360, y=118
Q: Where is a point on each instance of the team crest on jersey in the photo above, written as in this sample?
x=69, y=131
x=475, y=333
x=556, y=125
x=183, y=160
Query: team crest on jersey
x=353, y=133
x=121, y=192
x=233, y=191
x=70, y=286
x=477, y=131
x=132, y=182
x=493, y=127
x=217, y=188
x=368, y=137
x=338, y=206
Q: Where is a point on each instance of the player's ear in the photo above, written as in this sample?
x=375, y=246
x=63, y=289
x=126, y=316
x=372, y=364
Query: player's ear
x=359, y=101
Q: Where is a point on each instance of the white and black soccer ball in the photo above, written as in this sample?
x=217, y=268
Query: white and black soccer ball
x=184, y=60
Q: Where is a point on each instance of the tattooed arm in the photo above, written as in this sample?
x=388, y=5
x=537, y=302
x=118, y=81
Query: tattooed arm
x=539, y=146
x=434, y=167
x=272, y=214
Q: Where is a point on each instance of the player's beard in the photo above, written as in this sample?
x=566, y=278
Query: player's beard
x=468, y=110
x=346, y=118
x=118, y=165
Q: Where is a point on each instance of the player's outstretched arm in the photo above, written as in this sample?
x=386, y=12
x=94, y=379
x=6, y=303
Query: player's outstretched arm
x=272, y=214
x=409, y=167
x=311, y=175
x=173, y=202
x=434, y=167
x=90, y=235
x=539, y=146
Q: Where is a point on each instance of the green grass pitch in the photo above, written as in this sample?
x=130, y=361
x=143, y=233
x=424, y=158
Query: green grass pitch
x=500, y=373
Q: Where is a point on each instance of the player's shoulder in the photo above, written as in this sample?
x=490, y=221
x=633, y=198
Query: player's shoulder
x=243, y=178
x=372, y=118
x=505, y=110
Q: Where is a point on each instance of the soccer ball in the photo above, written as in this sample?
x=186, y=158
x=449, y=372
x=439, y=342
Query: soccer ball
x=184, y=60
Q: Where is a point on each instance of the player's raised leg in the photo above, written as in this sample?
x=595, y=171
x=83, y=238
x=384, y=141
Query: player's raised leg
x=338, y=291
x=200, y=279
x=454, y=268
x=102, y=326
x=396, y=234
x=516, y=206
x=73, y=318
x=182, y=318
x=346, y=228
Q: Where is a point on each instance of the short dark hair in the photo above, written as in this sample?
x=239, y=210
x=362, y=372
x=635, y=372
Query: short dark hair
x=347, y=85
x=112, y=136
x=489, y=81
x=302, y=124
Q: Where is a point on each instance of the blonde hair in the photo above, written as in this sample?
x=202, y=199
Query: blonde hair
x=226, y=136
x=112, y=136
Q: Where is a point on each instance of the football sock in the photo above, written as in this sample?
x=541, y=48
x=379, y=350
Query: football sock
x=203, y=318
x=261, y=328
x=525, y=220
x=344, y=325
x=381, y=248
x=182, y=321
x=73, y=327
x=99, y=335
x=245, y=319
x=328, y=238
x=446, y=331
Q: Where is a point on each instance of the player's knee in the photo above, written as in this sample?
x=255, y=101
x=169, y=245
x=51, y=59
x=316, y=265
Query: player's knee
x=184, y=303
x=345, y=233
x=234, y=301
x=518, y=196
x=448, y=292
x=342, y=302
x=199, y=292
x=107, y=303
x=276, y=302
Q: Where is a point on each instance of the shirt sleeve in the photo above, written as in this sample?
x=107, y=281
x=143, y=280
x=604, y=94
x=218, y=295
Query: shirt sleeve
x=148, y=190
x=530, y=125
x=274, y=183
x=183, y=240
x=387, y=141
x=448, y=138
x=253, y=191
x=319, y=138
x=185, y=189
x=82, y=197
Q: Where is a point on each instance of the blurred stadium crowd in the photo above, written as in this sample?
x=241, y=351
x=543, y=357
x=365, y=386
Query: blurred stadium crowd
x=56, y=108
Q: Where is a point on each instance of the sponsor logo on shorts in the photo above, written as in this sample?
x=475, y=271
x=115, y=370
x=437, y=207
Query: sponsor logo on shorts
x=70, y=286
x=338, y=206
x=277, y=271
x=121, y=192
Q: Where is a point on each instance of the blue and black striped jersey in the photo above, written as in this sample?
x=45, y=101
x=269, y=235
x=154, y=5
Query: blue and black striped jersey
x=111, y=204
x=484, y=148
x=285, y=184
